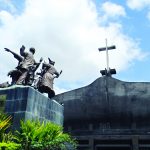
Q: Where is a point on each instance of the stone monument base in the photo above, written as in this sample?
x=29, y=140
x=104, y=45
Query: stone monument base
x=24, y=102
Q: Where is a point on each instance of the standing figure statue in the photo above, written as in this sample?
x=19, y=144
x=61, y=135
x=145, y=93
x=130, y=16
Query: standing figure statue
x=31, y=73
x=48, y=73
x=27, y=62
x=24, y=72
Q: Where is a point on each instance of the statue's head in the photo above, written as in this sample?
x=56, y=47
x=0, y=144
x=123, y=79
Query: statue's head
x=32, y=50
x=51, y=62
x=22, y=47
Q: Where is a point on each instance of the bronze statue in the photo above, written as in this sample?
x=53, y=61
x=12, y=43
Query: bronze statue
x=16, y=73
x=24, y=72
x=47, y=75
x=31, y=73
x=27, y=62
x=4, y=85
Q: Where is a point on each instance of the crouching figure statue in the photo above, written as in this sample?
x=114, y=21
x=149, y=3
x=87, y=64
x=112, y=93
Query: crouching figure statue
x=46, y=78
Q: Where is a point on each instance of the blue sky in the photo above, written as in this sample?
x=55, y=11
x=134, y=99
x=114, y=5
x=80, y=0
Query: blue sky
x=70, y=32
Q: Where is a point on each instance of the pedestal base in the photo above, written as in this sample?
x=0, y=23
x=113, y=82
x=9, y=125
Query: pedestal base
x=24, y=102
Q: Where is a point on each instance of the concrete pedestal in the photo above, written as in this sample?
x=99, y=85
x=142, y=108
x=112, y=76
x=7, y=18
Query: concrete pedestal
x=24, y=102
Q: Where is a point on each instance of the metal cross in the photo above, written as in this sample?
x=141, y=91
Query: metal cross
x=107, y=56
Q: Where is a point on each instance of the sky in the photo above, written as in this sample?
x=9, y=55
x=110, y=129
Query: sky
x=70, y=33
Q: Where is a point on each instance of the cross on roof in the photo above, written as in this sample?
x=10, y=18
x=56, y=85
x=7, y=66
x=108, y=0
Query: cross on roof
x=107, y=70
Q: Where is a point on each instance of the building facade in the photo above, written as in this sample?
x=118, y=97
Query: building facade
x=108, y=114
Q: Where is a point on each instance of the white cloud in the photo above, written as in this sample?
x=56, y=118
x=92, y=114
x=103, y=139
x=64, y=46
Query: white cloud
x=68, y=32
x=148, y=15
x=7, y=4
x=138, y=4
x=112, y=10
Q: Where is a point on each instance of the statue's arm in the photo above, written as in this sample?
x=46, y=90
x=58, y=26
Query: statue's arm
x=57, y=73
x=37, y=64
x=22, y=51
x=18, y=57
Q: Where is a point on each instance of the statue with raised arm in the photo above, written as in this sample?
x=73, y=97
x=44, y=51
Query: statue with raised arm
x=28, y=66
x=18, y=57
x=15, y=74
x=47, y=78
x=24, y=72
x=27, y=62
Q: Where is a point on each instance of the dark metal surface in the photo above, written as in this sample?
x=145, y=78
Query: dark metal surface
x=108, y=109
x=108, y=102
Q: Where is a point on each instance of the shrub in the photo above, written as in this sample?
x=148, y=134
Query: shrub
x=5, y=122
x=34, y=135
x=6, y=138
x=9, y=146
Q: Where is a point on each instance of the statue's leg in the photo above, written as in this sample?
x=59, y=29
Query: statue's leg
x=29, y=78
x=51, y=94
x=22, y=78
x=14, y=74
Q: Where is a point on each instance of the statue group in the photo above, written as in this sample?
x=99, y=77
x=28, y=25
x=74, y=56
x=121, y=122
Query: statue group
x=25, y=72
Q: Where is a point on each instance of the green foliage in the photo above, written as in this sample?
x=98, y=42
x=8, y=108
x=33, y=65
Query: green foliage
x=5, y=122
x=34, y=135
x=9, y=146
x=6, y=139
x=46, y=136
